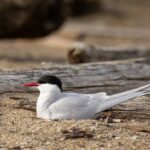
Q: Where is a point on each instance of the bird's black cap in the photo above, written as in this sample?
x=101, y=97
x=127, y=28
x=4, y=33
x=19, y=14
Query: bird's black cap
x=51, y=80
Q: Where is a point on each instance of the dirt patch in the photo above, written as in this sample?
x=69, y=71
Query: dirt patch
x=20, y=129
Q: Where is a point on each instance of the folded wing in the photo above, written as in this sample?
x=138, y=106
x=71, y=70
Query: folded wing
x=77, y=106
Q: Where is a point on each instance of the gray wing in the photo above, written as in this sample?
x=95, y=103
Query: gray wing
x=76, y=106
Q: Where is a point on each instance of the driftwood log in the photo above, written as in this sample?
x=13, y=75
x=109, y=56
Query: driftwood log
x=90, y=78
x=85, y=30
x=83, y=53
x=110, y=76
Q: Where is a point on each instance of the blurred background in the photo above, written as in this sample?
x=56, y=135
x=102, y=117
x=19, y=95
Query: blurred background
x=36, y=32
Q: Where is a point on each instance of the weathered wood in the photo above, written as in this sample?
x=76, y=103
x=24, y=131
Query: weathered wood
x=82, y=53
x=112, y=77
x=109, y=76
x=138, y=109
x=82, y=30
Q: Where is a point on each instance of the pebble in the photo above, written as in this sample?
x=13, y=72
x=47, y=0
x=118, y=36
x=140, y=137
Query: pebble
x=116, y=120
x=117, y=137
x=134, y=137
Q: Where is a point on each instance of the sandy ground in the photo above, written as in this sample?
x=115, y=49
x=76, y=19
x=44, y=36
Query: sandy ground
x=19, y=127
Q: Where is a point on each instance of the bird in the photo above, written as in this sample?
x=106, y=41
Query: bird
x=55, y=104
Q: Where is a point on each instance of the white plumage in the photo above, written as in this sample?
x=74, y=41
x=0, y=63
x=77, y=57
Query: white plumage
x=54, y=104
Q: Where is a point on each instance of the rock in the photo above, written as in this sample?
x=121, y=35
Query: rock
x=19, y=18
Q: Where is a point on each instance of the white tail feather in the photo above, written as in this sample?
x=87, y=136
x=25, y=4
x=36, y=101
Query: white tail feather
x=116, y=99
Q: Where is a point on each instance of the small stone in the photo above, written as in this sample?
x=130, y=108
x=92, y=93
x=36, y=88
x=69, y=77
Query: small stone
x=113, y=136
x=134, y=137
x=117, y=137
x=116, y=120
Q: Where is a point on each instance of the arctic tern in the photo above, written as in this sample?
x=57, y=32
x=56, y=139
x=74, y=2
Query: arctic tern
x=53, y=103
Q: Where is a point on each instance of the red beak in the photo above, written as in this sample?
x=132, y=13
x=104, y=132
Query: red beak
x=31, y=84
